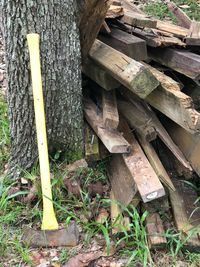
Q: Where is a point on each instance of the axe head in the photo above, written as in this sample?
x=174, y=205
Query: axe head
x=68, y=237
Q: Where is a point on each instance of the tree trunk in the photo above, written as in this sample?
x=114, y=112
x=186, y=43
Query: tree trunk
x=55, y=21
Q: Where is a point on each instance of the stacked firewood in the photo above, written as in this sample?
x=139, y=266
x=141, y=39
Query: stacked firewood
x=140, y=67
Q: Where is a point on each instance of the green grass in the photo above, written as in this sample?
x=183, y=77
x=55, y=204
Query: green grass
x=160, y=10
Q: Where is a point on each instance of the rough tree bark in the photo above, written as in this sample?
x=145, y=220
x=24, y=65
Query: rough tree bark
x=55, y=21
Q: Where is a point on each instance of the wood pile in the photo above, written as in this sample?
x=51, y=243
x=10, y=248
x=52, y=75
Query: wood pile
x=143, y=90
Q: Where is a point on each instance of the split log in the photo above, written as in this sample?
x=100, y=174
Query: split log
x=92, y=15
x=122, y=182
x=112, y=139
x=176, y=105
x=110, y=111
x=138, y=119
x=186, y=214
x=127, y=71
x=143, y=174
x=156, y=163
x=126, y=43
x=99, y=75
x=181, y=61
x=188, y=143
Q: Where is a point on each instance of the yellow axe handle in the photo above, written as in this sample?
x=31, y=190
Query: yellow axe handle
x=49, y=221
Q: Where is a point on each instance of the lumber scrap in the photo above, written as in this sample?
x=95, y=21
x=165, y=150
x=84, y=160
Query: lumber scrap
x=154, y=39
x=126, y=43
x=127, y=71
x=186, y=214
x=161, y=132
x=115, y=10
x=181, y=61
x=167, y=140
x=110, y=110
x=136, y=19
x=182, y=18
x=188, y=143
x=138, y=119
x=105, y=28
x=176, y=105
x=91, y=144
x=154, y=225
x=148, y=184
x=122, y=182
x=112, y=139
x=194, y=34
x=119, y=222
x=128, y=5
x=177, y=31
x=156, y=163
x=92, y=15
x=155, y=231
x=99, y=75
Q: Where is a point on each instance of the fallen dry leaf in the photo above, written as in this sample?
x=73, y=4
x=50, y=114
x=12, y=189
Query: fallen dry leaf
x=102, y=216
x=82, y=260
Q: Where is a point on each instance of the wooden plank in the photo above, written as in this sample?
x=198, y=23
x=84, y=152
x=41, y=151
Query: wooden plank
x=172, y=28
x=112, y=139
x=138, y=20
x=144, y=176
x=156, y=163
x=138, y=119
x=194, y=34
x=126, y=43
x=105, y=28
x=188, y=143
x=182, y=18
x=99, y=75
x=155, y=231
x=161, y=132
x=110, y=110
x=92, y=15
x=119, y=222
x=91, y=144
x=155, y=39
x=186, y=214
x=127, y=71
x=181, y=61
x=176, y=105
x=122, y=182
